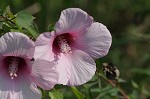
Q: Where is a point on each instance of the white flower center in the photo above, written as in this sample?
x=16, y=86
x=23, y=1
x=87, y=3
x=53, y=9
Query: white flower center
x=63, y=44
x=13, y=67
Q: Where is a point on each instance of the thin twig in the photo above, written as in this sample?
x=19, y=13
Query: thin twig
x=114, y=85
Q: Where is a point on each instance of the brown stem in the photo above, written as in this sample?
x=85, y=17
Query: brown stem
x=115, y=85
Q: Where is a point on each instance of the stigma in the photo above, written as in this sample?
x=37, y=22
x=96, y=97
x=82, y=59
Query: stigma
x=63, y=44
x=13, y=67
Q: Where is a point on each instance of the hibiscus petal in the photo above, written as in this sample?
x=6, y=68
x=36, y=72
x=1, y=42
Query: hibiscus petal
x=44, y=74
x=96, y=41
x=82, y=68
x=43, y=48
x=28, y=88
x=16, y=44
x=18, y=88
x=63, y=67
x=73, y=20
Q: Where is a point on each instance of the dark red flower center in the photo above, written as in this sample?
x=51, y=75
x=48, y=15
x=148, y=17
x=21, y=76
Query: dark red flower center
x=14, y=64
x=62, y=43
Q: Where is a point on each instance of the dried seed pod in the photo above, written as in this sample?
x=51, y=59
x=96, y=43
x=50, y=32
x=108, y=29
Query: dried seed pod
x=111, y=72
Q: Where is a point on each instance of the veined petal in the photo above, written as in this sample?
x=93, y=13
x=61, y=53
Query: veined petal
x=43, y=48
x=73, y=20
x=44, y=74
x=96, y=41
x=16, y=44
x=28, y=88
x=63, y=68
x=83, y=68
x=18, y=88
x=78, y=67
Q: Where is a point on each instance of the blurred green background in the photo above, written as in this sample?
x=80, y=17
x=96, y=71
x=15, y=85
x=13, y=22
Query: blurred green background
x=129, y=24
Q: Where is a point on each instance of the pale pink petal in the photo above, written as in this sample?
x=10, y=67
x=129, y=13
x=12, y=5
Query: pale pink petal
x=28, y=89
x=96, y=41
x=18, y=88
x=63, y=67
x=16, y=44
x=43, y=48
x=29, y=64
x=4, y=94
x=82, y=69
x=44, y=74
x=73, y=20
x=77, y=68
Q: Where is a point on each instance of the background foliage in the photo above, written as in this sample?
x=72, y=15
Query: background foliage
x=129, y=24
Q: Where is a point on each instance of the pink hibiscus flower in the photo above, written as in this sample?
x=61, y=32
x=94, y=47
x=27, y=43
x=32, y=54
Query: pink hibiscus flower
x=74, y=45
x=19, y=74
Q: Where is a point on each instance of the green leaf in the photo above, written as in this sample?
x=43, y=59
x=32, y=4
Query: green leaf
x=134, y=95
x=120, y=80
x=108, y=90
x=90, y=84
x=8, y=12
x=50, y=27
x=25, y=20
x=6, y=27
x=77, y=93
x=14, y=30
x=134, y=84
x=55, y=94
x=1, y=32
x=142, y=71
